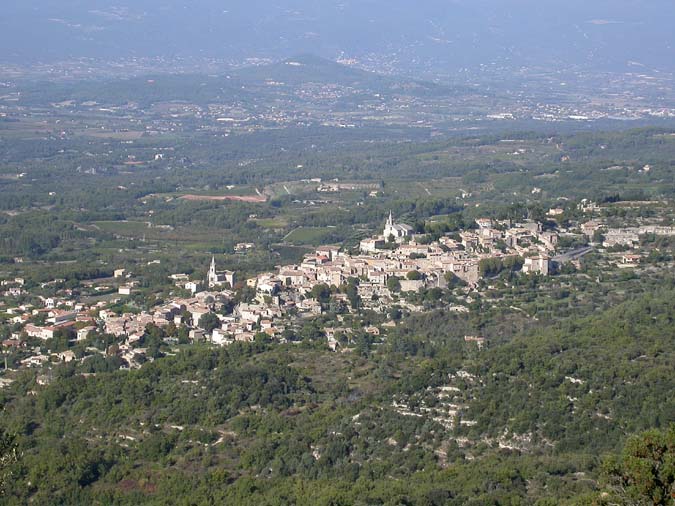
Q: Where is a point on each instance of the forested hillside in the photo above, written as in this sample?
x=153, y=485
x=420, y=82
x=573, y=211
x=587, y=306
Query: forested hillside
x=297, y=424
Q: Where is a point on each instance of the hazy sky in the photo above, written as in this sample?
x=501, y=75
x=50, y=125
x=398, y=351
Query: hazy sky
x=597, y=33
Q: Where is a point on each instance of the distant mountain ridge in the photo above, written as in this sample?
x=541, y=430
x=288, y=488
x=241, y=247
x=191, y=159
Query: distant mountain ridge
x=448, y=33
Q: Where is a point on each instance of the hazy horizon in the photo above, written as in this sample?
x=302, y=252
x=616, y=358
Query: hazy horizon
x=613, y=35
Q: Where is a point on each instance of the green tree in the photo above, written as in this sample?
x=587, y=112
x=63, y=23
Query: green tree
x=8, y=457
x=513, y=263
x=352, y=292
x=414, y=276
x=598, y=236
x=394, y=284
x=489, y=267
x=209, y=322
x=453, y=281
x=321, y=292
x=644, y=473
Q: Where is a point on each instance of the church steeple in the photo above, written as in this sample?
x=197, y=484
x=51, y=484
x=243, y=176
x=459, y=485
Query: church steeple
x=390, y=221
x=212, y=276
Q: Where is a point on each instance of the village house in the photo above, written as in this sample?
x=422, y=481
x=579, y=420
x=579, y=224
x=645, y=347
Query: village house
x=293, y=277
x=124, y=290
x=484, y=223
x=192, y=286
x=589, y=228
x=371, y=245
x=330, y=252
x=84, y=332
x=40, y=332
x=537, y=265
x=58, y=317
x=65, y=356
x=629, y=260
x=244, y=246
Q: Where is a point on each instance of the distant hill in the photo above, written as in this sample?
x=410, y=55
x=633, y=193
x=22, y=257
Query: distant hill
x=309, y=68
x=448, y=33
x=245, y=84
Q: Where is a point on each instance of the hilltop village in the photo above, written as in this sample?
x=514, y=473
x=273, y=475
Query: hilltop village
x=386, y=266
x=380, y=275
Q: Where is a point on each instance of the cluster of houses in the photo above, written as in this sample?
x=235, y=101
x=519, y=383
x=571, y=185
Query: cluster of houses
x=281, y=299
x=288, y=292
x=54, y=320
x=492, y=239
x=628, y=237
x=12, y=288
x=287, y=295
